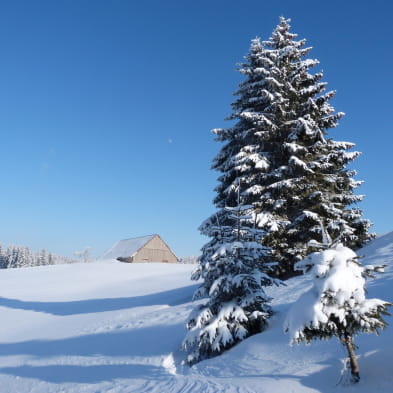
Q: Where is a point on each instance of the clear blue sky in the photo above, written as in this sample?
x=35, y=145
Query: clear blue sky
x=106, y=109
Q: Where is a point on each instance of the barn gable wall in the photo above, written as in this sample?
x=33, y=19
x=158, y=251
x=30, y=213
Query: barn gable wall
x=154, y=250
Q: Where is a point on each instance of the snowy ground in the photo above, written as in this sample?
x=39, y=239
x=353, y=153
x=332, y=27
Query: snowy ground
x=116, y=327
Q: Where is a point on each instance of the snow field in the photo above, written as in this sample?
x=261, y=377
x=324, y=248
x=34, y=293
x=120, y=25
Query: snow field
x=110, y=327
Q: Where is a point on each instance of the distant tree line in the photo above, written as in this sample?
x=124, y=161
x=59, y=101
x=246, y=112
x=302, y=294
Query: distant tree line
x=21, y=256
x=189, y=260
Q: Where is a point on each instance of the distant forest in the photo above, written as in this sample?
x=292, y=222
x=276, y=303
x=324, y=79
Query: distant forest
x=21, y=256
x=189, y=260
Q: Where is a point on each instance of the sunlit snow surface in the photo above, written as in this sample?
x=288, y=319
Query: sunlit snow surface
x=116, y=327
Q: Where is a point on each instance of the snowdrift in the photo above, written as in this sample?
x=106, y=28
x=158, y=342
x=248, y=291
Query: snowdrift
x=114, y=327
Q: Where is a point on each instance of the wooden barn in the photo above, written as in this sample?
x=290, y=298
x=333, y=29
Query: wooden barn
x=141, y=249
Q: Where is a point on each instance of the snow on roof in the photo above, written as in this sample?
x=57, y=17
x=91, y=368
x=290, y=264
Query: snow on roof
x=127, y=247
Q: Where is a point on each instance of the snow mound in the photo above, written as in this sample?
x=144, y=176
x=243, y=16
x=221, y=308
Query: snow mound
x=379, y=251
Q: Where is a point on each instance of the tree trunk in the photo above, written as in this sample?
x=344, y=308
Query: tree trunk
x=347, y=340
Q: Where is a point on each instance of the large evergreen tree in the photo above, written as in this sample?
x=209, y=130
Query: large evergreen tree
x=294, y=176
x=284, y=179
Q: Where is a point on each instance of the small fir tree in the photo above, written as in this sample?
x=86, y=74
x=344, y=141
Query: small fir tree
x=234, y=277
x=293, y=174
x=336, y=305
x=11, y=256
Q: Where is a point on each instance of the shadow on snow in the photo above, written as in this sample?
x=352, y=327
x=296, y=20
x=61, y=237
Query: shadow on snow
x=172, y=297
x=86, y=374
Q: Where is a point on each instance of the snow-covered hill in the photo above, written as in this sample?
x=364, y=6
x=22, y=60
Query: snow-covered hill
x=115, y=327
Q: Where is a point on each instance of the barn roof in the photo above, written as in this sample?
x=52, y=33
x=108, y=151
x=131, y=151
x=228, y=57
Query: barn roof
x=127, y=247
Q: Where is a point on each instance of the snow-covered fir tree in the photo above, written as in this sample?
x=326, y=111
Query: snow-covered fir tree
x=293, y=174
x=336, y=305
x=42, y=258
x=234, y=276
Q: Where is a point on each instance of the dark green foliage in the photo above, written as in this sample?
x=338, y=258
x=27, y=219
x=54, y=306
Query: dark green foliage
x=293, y=174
